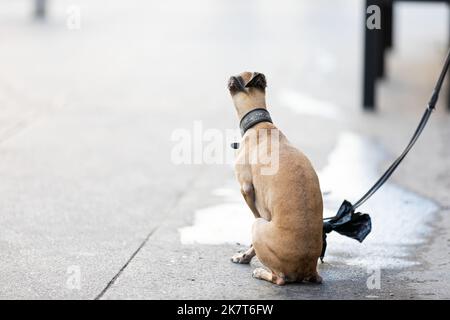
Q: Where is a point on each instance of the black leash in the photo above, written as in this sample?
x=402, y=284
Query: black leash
x=421, y=126
x=356, y=225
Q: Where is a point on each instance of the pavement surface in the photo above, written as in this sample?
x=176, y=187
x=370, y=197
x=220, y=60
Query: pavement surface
x=93, y=205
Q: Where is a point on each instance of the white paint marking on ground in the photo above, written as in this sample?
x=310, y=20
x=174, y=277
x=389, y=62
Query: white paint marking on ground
x=224, y=223
x=400, y=218
x=306, y=105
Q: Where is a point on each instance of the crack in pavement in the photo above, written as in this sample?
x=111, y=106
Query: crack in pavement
x=117, y=275
x=176, y=200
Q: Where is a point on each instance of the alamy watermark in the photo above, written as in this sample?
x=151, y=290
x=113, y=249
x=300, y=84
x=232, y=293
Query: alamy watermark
x=373, y=21
x=73, y=19
x=374, y=280
x=212, y=146
x=73, y=281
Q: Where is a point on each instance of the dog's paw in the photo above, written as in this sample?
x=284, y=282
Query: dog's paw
x=241, y=257
x=314, y=279
x=263, y=274
x=260, y=273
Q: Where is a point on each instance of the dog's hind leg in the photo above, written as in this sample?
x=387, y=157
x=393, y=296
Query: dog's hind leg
x=262, y=235
x=244, y=257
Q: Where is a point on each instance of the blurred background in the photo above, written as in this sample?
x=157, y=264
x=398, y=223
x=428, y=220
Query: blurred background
x=91, y=92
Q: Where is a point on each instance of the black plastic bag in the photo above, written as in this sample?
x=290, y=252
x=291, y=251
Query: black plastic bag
x=347, y=222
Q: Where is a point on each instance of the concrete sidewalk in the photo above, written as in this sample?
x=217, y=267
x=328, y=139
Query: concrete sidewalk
x=92, y=205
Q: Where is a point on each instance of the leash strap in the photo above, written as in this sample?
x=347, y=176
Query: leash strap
x=431, y=105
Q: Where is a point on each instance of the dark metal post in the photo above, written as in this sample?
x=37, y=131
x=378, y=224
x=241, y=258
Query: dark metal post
x=448, y=82
x=373, y=48
x=388, y=23
x=40, y=9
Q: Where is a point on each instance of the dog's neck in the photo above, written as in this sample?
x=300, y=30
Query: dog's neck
x=253, y=117
x=245, y=102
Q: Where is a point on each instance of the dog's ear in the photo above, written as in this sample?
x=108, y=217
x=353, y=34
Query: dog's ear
x=235, y=85
x=258, y=80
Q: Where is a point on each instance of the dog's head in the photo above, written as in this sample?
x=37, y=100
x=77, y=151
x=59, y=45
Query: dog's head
x=248, y=90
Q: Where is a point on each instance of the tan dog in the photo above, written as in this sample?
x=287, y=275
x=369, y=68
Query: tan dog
x=287, y=204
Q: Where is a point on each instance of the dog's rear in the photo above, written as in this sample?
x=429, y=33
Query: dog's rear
x=287, y=204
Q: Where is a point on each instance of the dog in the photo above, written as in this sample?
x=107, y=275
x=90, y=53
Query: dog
x=287, y=204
